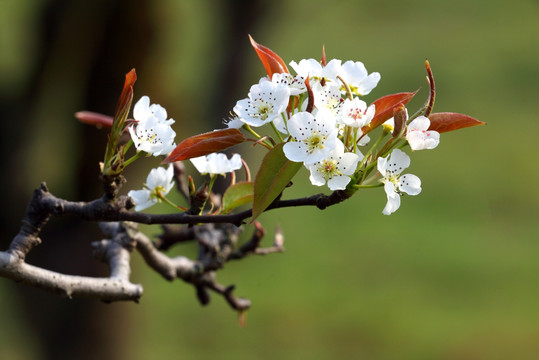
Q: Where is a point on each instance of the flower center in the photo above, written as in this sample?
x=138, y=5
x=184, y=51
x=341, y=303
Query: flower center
x=328, y=168
x=315, y=141
x=263, y=109
x=355, y=114
x=149, y=136
x=157, y=192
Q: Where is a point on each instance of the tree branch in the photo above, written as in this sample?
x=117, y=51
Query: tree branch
x=103, y=210
x=115, y=287
x=216, y=235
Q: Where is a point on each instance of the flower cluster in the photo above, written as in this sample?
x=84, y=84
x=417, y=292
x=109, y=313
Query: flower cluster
x=320, y=120
x=153, y=134
x=324, y=121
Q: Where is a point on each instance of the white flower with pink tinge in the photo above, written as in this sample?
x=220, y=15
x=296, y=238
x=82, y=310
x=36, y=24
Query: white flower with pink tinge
x=419, y=136
x=355, y=113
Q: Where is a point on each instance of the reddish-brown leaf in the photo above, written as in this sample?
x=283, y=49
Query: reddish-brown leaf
x=384, y=108
x=447, y=121
x=127, y=92
x=204, y=144
x=271, y=61
x=432, y=86
x=93, y=118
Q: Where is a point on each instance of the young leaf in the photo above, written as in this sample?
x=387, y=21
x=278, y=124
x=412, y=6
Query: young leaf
x=239, y=194
x=93, y=118
x=120, y=116
x=271, y=61
x=275, y=173
x=204, y=144
x=384, y=108
x=444, y=122
x=432, y=92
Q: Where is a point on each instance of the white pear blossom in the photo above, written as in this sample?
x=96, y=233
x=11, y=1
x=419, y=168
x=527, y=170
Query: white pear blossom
x=314, y=70
x=355, y=113
x=335, y=169
x=143, y=111
x=356, y=76
x=266, y=101
x=217, y=163
x=327, y=97
x=159, y=182
x=152, y=132
x=395, y=184
x=296, y=84
x=315, y=136
x=153, y=137
x=418, y=135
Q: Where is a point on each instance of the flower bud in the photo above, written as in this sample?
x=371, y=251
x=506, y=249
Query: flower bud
x=400, y=116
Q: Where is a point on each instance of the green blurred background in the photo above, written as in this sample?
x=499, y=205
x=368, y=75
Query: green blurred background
x=453, y=274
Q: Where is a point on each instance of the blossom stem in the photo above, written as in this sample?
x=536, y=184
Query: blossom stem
x=370, y=151
x=348, y=91
x=277, y=132
x=285, y=120
x=347, y=131
x=389, y=146
x=168, y=202
x=251, y=131
x=355, y=140
x=357, y=186
x=256, y=135
x=138, y=155
x=128, y=145
x=213, y=177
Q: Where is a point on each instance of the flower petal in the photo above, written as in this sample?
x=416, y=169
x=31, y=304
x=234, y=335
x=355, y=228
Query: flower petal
x=410, y=184
x=200, y=164
x=398, y=161
x=422, y=140
x=141, y=110
x=368, y=84
x=316, y=176
x=141, y=198
x=338, y=182
x=393, y=199
x=295, y=151
x=419, y=123
x=348, y=162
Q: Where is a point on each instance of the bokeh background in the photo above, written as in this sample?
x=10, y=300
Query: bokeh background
x=454, y=274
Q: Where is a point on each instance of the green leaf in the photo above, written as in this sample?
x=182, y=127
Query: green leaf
x=204, y=144
x=444, y=122
x=275, y=173
x=237, y=195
